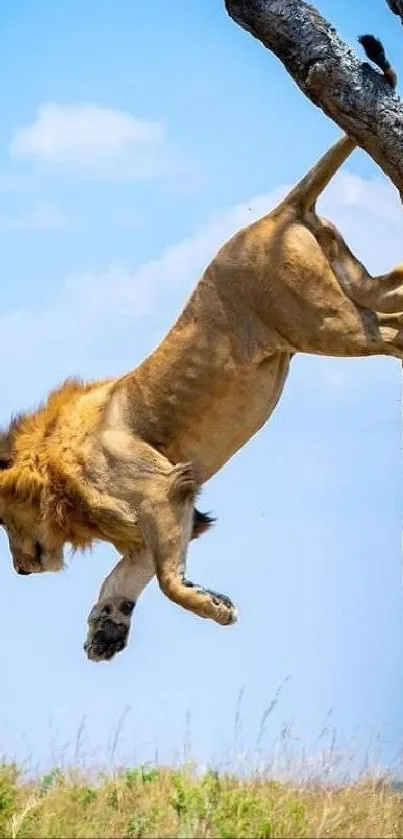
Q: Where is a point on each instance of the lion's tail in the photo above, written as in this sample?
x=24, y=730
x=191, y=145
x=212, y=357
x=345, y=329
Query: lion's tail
x=201, y=523
x=374, y=50
x=306, y=192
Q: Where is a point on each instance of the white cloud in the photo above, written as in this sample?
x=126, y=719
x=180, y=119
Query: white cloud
x=94, y=140
x=381, y=198
x=115, y=315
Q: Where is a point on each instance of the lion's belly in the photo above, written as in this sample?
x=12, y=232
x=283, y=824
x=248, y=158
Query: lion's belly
x=221, y=426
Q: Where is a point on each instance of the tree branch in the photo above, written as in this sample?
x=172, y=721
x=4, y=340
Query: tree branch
x=396, y=6
x=348, y=90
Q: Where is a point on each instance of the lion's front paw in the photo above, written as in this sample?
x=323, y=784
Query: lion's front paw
x=209, y=604
x=225, y=612
x=109, y=624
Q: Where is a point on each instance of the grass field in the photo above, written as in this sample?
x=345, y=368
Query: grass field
x=150, y=802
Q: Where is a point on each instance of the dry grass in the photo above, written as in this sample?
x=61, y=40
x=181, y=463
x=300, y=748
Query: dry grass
x=147, y=802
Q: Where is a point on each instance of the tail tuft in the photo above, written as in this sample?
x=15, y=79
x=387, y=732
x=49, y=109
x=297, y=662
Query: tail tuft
x=374, y=50
x=201, y=523
x=396, y=6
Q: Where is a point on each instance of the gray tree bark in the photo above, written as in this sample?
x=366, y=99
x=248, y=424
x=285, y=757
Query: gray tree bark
x=348, y=90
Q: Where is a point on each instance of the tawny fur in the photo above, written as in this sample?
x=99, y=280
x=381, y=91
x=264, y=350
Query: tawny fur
x=122, y=460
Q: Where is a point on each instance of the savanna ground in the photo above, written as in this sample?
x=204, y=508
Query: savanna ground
x=156, y=802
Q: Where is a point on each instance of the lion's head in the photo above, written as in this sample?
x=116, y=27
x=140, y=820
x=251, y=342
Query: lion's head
x=33, y=546
x=42, y=506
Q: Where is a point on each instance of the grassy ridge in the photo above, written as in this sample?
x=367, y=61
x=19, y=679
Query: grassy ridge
x=147, y=802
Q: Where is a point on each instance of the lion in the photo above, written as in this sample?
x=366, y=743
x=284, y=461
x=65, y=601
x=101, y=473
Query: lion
x=122, y=460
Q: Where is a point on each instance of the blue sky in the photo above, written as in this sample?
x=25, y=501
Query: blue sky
x=133, y=142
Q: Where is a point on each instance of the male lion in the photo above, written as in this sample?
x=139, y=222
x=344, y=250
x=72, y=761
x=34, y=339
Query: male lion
x=122, y=460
